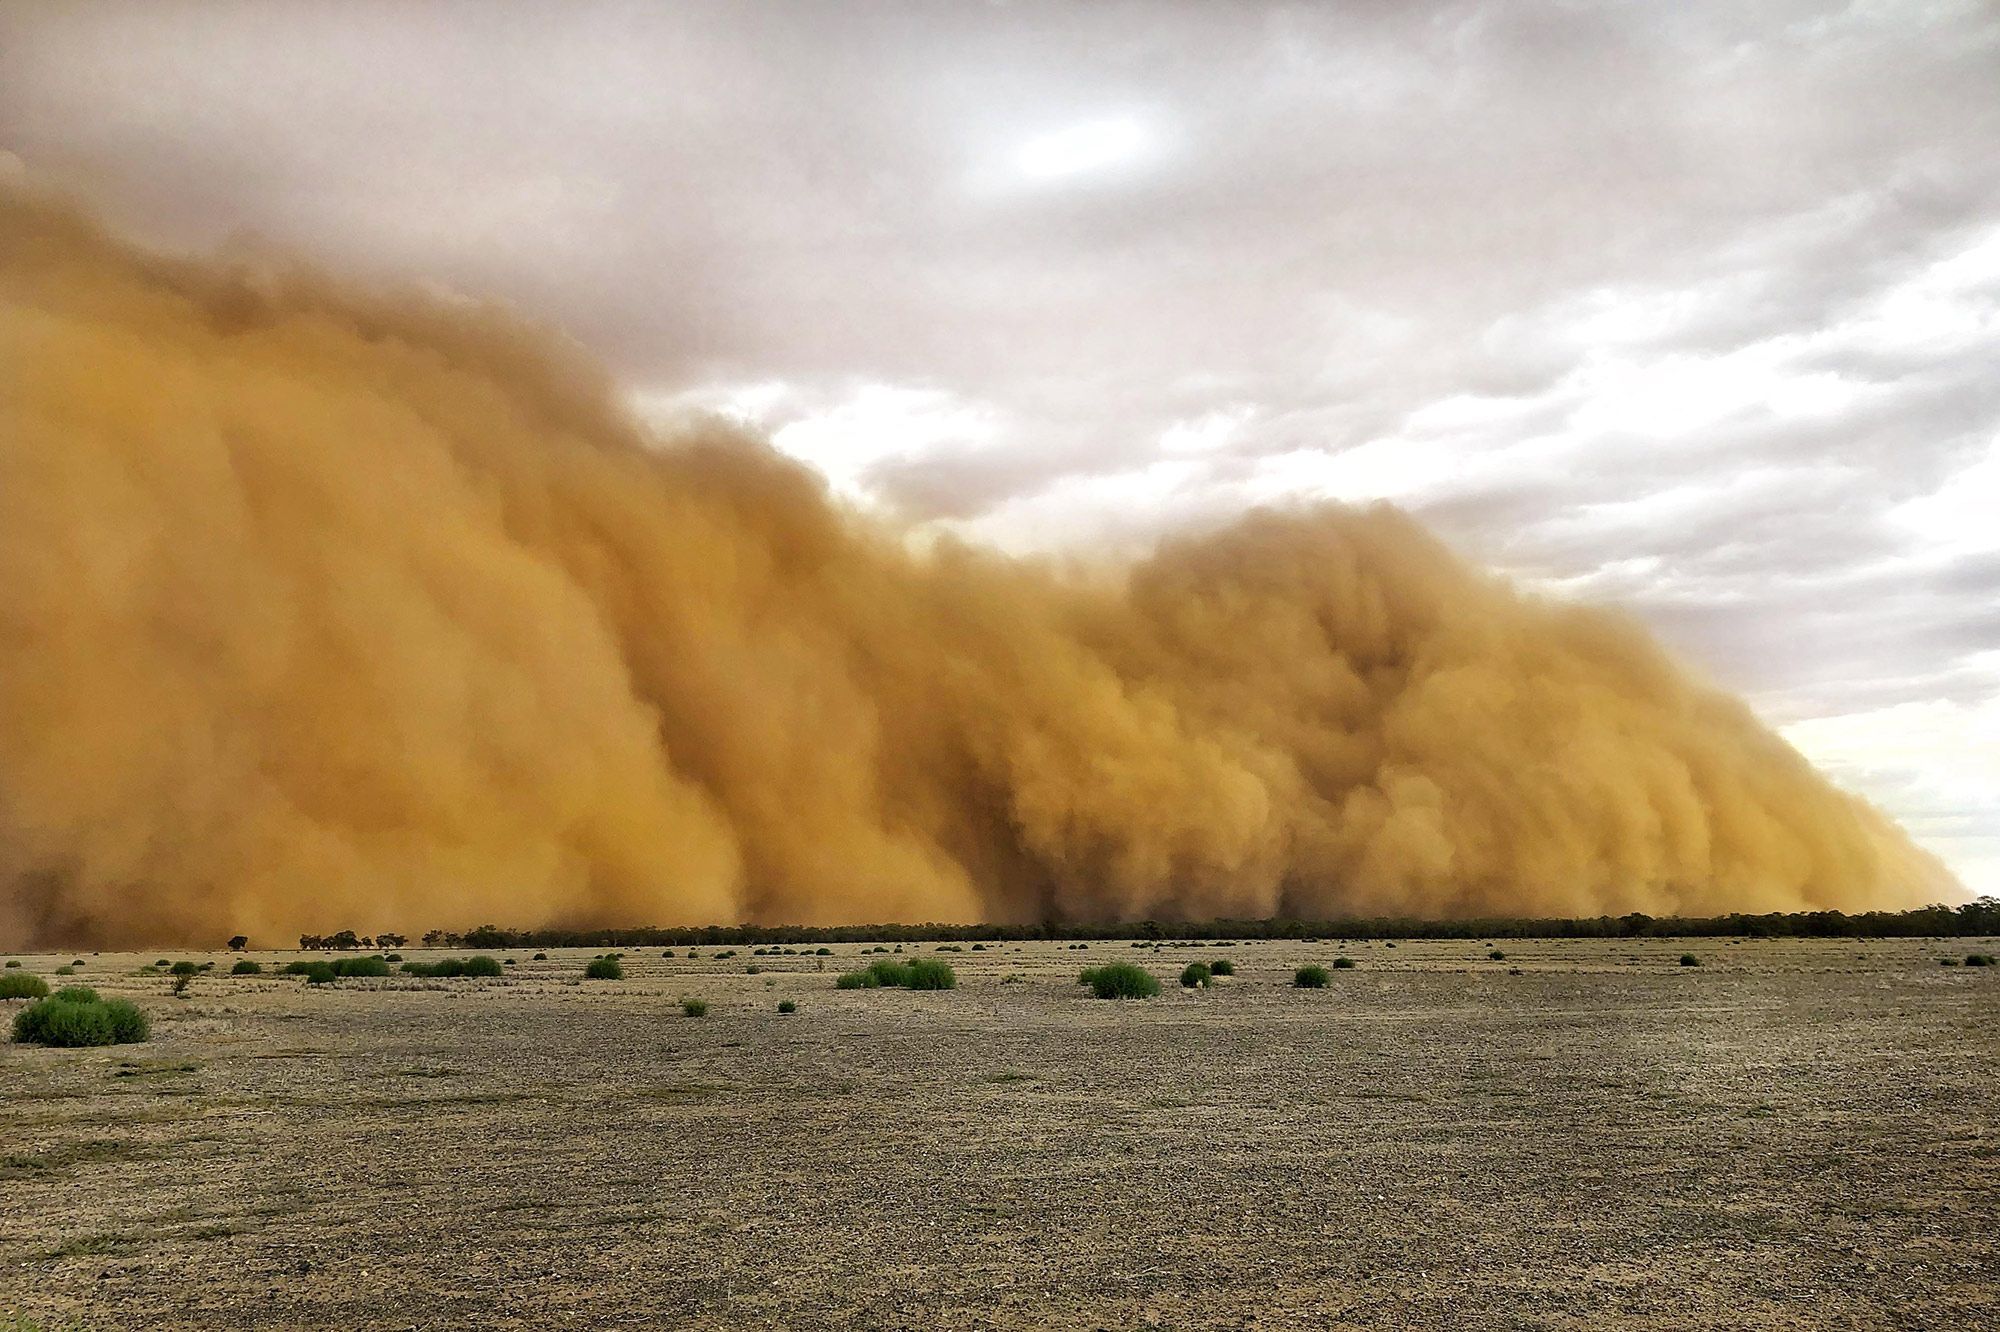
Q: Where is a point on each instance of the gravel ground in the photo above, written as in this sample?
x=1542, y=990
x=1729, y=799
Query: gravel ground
x=1796, y=1134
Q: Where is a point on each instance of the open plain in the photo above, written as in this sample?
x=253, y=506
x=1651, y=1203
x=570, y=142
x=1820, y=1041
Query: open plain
x=1581, y=1135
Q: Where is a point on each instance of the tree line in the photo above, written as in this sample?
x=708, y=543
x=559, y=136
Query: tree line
x=1976, y=918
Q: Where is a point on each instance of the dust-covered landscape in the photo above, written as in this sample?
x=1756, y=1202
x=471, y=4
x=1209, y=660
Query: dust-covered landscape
x=1581, y=1134
x=1020, y=666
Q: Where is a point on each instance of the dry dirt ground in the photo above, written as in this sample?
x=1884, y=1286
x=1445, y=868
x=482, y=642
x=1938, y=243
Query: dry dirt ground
x=1797, y=1134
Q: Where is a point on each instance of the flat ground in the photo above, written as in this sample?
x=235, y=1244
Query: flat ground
x=1797, y=1134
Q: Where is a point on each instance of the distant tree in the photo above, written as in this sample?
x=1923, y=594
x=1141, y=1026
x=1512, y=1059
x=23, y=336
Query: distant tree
x=344, y=939
x=390, y=941
x=238, y=942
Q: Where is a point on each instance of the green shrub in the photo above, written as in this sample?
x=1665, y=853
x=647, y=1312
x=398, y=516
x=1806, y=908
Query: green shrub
x=65, y=970
x=13, y=962
x=298, y=968
x=605, y=968
x=247, y=968
x=1310, y=978
x=539, y=957
x=393, y=957
x=320, y=973
x=23, y=986
x=1222, y=966
x=929, y=973
x=77, y=1017
x=1947, y=961
x=1690, y=960
x=889, y=973
x=1343, y=964
x=668, y=953
x=1121, y=980
x=752, y=970
x=484, y=966
x=694, y=1007
x=1195, y=976
x=857, y=980
x=787, y=1006
x=361, y=966
x=162, y=962
x=56, y=1022
x=129, y=1026
x=1497, y=955
x=823, y=952
x=1979, y=959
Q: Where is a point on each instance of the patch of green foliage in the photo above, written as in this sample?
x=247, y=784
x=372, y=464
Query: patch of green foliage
x=1343, y=964
x=361, y=966
x=1690, y=960
x=1310, y=978
x=607, y=968
x=75, y=1016
x=1121, y=980
x=857, y=980
x=1222, y=966
x=1979, y=959
x=694, y=1008
x=787, y=1006
x=320, y=973
x=182, y=968
x=23, y=985
x=929, y=973
x=1497, y=955
x=1195, y=976
x=247, y=968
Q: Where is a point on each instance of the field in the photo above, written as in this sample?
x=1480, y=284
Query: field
x=1794, y=1134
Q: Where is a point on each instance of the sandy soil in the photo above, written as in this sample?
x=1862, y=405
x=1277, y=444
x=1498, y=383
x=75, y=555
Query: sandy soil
x=1797, y=1134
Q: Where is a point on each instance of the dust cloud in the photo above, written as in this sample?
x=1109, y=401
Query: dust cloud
x=322, y=609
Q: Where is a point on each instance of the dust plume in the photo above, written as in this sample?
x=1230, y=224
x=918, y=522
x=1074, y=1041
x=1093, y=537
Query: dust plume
x=321, y=609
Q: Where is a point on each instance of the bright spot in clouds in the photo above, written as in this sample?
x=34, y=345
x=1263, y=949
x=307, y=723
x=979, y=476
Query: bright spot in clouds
x=1080, y=149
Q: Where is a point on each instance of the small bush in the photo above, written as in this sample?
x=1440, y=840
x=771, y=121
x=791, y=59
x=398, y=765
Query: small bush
x=65, y=970
x=1979, y=959
x=77, y=1017
x=181, y=969
x=823, y=952
x=1121, y=980
x=129, y=1026
x=361, y=966
x=857, y=980
x=484, y=966
x=1195, y=976
x=247, y=968
x=1310, y=978
x=320, y=973
x=509, y=961
x=1497, y=955
x=1690, y=960
x=539, y=957
x=752, y=970
x=162, y=962
x=12, y=962
x=1343, y=964
x=606, y=968
x=393, y=957
x=889, y=973
x=300, y=968
x=929, y=973
x=1947, y=961
x=53, y=1022
x=694, y=1007
x=1222, y=966
x=23, y=986
x=668, y=953
x=787, y=1006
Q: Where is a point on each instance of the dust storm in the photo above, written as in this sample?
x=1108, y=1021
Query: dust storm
x=324, y=608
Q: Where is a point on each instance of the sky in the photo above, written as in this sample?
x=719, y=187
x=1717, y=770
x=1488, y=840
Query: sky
x=1691, y=309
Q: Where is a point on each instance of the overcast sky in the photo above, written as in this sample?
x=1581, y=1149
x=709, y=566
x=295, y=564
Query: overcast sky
x=1692, y=308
